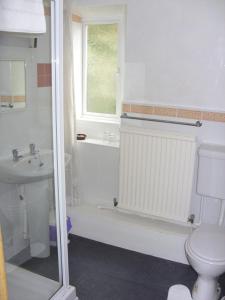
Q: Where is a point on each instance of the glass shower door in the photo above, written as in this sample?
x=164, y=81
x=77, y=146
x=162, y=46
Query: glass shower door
x=29, y=209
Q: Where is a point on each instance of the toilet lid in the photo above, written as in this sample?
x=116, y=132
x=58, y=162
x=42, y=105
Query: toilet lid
x=208, y=242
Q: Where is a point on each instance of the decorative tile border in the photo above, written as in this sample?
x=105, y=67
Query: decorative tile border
x=19, y=98
x=213, y=116
x=6, y=98
x=44, y=77
x=10, y=99
x=76, y=18
x=174, y=112
x=47, y=11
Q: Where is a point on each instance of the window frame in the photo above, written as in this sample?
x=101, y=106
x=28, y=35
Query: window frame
x=114, y=118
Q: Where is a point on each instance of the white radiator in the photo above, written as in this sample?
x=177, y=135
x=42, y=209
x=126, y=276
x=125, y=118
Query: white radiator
x=156, y=173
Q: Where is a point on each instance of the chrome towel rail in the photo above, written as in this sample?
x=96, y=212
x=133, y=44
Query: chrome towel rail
x=196, y=124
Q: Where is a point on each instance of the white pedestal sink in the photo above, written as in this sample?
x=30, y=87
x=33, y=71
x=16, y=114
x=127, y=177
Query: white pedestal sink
x=29, y=168
x=34, y=172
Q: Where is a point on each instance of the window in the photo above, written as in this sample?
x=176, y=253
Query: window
x=101, y=70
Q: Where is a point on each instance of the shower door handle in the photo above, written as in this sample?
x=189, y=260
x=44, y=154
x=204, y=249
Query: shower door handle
x=3, y=279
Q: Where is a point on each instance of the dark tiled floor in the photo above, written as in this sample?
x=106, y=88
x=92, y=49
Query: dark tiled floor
x=103, y=272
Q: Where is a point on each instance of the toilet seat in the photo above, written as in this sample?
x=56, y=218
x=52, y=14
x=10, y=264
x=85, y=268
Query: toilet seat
x=207, y=243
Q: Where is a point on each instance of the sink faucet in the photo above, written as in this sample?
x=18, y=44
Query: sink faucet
x=32, y=149
x=16, y=155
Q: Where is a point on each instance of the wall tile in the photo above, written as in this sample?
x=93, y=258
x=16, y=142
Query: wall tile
x=126, y=107
x=142, y=109
x=40, y=69
x=76, y=18
x=44, y=78
x=47, y=11
x=208, y=116
x=6, y=98
x=19, y=98
x=174, y=112
x=214, y=116
x=165, y=111
x=189, y=114
x=219, y=117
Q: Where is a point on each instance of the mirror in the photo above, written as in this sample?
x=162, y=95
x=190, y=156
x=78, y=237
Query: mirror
x=12, y=84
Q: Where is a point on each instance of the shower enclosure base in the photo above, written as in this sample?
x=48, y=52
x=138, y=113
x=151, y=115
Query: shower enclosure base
x=26, y=285
x=152, y=237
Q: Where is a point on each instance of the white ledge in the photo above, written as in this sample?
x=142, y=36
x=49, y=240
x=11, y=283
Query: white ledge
x=114, y=144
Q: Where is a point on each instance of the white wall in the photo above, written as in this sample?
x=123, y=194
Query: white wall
x=174, y=51
x=177, y=47
x=175, y=56
x=98, y=173
x=20, y=128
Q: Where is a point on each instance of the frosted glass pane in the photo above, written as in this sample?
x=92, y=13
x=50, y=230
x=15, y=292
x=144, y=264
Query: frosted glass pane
x=102, y=64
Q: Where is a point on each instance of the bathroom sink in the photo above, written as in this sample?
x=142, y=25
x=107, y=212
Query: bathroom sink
x=29, y=168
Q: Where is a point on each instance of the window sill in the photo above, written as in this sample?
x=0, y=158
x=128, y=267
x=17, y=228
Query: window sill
x=113, y=144
x=99, y=119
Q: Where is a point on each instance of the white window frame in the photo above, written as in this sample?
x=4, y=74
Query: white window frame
x=114, y=118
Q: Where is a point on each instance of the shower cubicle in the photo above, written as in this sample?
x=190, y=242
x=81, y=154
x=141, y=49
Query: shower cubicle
x=33, y=162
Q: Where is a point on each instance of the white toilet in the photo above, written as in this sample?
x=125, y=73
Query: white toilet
x=205, y=247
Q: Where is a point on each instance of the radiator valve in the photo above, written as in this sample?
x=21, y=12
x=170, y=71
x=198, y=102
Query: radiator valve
x=191, y=218
x=115, y=202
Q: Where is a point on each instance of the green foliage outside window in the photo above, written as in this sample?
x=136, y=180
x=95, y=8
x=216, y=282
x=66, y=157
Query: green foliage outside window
x=102, y=67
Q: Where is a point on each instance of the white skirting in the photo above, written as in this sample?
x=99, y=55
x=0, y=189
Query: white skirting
x=131, y=232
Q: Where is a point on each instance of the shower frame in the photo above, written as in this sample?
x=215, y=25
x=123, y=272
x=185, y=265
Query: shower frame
x=66, y=292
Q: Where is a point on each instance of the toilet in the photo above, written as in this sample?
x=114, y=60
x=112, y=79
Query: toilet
x=205, y=247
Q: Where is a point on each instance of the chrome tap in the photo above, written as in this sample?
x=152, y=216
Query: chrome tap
x=16, y=155
x=32, y=149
